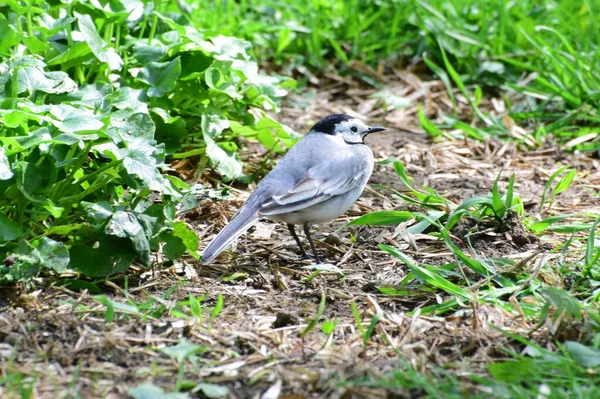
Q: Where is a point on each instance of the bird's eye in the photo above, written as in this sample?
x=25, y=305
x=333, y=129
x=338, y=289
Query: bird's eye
x=354, y=129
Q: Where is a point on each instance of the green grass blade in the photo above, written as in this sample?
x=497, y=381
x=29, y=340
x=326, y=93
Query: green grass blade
x=313, y=322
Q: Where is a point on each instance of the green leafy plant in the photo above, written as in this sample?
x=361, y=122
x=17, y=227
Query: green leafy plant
x=93, y=100
x=438, y=211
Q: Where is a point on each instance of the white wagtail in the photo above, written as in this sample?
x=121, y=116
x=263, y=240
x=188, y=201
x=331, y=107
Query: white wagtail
x=316, y=181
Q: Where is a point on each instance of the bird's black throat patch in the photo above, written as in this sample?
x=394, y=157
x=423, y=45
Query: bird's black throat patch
x=327, y=124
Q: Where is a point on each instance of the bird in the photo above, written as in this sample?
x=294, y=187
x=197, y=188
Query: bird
x=317, y=180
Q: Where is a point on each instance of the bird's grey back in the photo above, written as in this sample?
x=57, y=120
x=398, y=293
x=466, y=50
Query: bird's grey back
x=315, y=150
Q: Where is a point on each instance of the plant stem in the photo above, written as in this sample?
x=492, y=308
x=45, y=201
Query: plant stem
x=97, y=172
x=29, y=21
x=14, y=92
x=153, y=28
x=63, y=185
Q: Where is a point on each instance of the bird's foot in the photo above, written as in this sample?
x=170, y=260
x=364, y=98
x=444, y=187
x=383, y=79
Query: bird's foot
x=305, y=256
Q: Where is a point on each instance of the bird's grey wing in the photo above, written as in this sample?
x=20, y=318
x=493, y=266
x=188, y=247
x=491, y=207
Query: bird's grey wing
x=320, y=182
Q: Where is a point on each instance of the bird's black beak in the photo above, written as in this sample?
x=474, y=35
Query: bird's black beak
x=375, y=129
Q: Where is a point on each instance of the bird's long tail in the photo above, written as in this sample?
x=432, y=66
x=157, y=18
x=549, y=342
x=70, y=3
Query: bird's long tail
x=245, y=218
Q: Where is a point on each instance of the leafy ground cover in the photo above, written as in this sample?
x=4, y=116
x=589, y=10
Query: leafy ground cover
x=93, y=100
x=470, y=268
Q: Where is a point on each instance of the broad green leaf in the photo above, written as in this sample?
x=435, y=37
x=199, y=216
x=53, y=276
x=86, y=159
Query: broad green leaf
x=52, y=254
x=72, y=120
x=194, y=64
x=33, y=78
x=188, y=237
x=230, y=48
x=66, y=229
x=328, y=326
x=139, y=160
x=227, y=164
x=161, y=76
x=145, y=54
x=50, y=26
x=125, y=225
x=103, y=256
x=97, y=212
x=129, y=98
x=10, y=37
x=174, y=246
x=124, y=125
x=9, y=230
x=32, y=180
x=217, y=78
x=101, y=50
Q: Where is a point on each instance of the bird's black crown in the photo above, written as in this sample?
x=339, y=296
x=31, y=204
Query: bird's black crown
x=327, y=124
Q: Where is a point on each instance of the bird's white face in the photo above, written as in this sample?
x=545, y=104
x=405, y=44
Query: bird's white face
x=353, y=131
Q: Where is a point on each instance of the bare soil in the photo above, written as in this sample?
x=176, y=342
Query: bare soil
x=59, y=337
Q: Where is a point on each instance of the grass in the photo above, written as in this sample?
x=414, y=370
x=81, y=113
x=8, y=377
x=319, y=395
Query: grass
x=540, y=58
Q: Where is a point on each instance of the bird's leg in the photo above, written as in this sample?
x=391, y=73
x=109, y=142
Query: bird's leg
x=312, y=244
x=297, y=239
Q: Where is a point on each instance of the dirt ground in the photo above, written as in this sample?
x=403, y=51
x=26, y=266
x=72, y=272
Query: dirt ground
x=60, y=339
